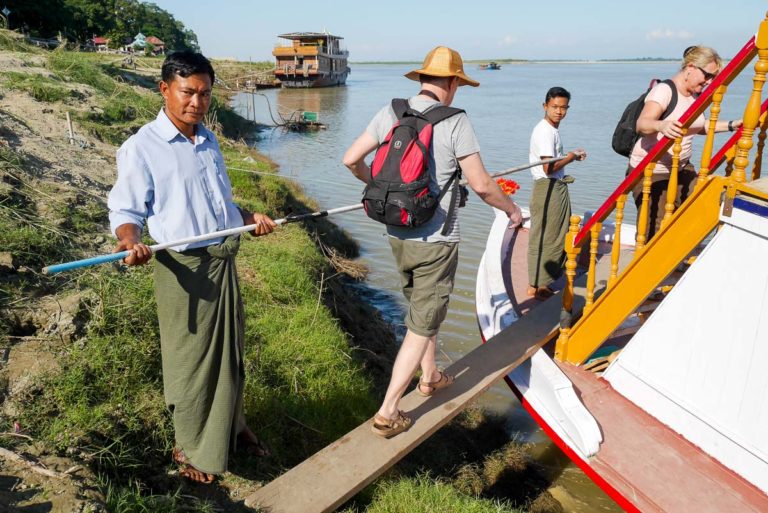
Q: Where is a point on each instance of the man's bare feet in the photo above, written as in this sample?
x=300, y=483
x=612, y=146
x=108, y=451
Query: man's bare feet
x=187, y=471
x=252, y=444
x=196, y=476
x=540, y=293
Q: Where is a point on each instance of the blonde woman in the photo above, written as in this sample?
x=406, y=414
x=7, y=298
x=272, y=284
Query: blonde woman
x=700, y=66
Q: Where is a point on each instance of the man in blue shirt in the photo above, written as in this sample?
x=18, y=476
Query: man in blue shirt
x=171, y=173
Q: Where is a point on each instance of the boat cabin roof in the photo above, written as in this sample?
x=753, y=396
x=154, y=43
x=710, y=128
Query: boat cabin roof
x=304, y=36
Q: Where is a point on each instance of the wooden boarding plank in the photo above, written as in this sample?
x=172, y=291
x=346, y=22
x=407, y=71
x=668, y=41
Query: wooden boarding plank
x=332, y=476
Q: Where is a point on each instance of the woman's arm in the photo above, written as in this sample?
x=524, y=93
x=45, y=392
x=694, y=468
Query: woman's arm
x=650, y=122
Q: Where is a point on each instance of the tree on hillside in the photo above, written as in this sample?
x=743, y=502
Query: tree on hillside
x=80, y=20
x=90, y=18
x=43, y=18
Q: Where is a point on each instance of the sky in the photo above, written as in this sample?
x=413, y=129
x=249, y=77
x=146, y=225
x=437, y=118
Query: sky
x=397, y=30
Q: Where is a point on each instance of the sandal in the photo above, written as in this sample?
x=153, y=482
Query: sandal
x=253, y=445
x=445, y=380
x=387, y=428
x=188, y=471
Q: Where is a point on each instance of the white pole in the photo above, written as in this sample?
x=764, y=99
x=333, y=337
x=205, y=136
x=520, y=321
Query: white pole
x=71, y=131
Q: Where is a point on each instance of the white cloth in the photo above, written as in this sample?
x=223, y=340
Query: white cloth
x=545, y=142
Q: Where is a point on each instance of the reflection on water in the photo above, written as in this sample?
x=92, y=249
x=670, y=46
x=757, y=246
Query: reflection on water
x=503, y=111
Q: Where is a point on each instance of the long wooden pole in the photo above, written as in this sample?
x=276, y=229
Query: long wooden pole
x=113, y=257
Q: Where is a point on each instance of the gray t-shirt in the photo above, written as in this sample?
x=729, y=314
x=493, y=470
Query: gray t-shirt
x=452, y=139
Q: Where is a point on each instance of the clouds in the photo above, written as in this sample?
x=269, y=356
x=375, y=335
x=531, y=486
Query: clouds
x=668, y=34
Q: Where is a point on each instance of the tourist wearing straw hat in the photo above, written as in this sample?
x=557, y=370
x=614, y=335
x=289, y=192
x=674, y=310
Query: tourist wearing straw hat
x=427, y=255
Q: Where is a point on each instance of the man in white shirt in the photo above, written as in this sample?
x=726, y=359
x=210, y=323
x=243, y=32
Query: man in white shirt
x=550, y=204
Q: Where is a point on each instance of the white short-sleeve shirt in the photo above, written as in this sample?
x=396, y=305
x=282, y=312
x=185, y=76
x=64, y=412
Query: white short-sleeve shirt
x=545, y=142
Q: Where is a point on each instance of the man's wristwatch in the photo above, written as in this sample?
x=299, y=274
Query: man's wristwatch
x=730, y=126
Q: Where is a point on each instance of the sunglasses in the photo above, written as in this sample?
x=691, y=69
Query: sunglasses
x=707, y=75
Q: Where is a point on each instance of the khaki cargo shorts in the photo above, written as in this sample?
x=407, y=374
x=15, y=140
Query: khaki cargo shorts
x=427, y=272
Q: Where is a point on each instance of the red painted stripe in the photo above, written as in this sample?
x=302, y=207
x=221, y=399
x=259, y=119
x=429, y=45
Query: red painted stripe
x=694, y=111
x=585, y=467
x=604, y=485
x=719, y=157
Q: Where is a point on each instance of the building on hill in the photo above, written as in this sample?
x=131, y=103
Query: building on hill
x=101, y=44
x=158, y=46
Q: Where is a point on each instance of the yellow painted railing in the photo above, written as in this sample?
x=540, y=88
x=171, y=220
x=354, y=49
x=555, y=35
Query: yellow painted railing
x=683, y=227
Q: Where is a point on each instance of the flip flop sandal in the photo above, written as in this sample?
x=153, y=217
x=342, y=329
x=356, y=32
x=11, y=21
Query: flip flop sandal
x=387, y=428
x=445, y=381
x=258, y=448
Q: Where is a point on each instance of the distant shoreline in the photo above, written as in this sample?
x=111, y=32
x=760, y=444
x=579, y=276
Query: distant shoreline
x=512, y=62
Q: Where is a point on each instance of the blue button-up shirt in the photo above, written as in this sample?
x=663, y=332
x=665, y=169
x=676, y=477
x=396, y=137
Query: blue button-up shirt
x=180, y=186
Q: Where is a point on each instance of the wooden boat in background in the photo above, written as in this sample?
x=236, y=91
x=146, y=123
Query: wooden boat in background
x=654, y=384
x=490, y=66
x=313, y=59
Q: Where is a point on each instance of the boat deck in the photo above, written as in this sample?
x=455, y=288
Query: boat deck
x=642, y=458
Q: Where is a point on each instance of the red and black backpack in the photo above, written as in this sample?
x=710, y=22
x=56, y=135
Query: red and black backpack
x=398, y=192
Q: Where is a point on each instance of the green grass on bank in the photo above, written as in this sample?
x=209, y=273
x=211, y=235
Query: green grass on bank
x=40, y=88
x=423, y=494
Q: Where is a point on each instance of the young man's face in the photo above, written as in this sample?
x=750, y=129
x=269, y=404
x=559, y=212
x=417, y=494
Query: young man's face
x=187, y=100
x=555, y=110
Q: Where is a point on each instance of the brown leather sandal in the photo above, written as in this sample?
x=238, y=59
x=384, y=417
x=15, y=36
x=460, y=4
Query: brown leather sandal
x=445, y=380
x=387, y=428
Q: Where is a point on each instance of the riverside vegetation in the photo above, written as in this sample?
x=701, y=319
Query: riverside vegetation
x=80, y=378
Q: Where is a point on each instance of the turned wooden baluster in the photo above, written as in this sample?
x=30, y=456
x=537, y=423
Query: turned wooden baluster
x=572, y=254
x=757, y=167
x=729, y=155
x=709, y=142
x=669, y=206
x=616, y=248
x=592, y=274
x=752, y=110
x=642, y=218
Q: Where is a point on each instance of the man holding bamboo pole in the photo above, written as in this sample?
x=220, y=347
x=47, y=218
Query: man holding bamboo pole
x=171, y=174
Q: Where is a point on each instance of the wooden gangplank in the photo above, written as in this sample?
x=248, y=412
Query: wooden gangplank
x=336, y=473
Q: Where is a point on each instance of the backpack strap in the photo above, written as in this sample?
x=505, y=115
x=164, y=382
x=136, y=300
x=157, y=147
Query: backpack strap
x=400, y=106
x=672, y=101
x=439, y=113
x=455, y=177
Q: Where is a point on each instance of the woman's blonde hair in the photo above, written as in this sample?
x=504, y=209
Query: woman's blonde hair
x=700, y=56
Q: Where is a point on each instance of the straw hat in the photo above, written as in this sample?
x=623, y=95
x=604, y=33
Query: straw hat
x=443, y=62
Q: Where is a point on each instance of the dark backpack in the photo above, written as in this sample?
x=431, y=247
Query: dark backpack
x=625, y=135
x=398, y=192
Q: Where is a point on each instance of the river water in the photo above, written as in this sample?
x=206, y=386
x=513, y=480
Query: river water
x=503, y=111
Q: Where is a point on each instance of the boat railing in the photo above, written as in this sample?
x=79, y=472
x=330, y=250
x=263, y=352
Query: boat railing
x=735, y=153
